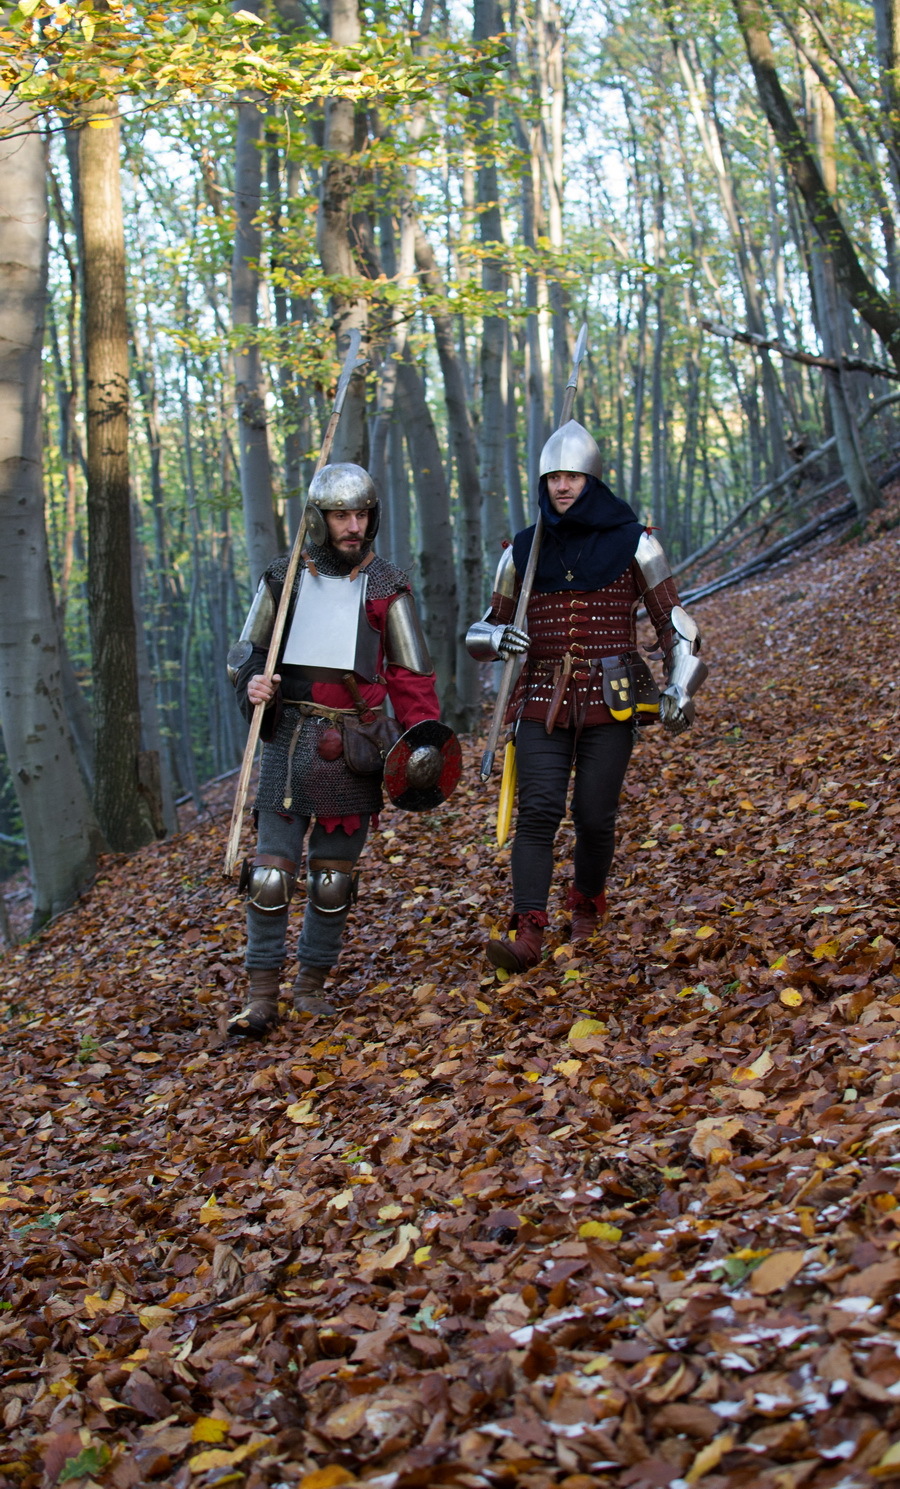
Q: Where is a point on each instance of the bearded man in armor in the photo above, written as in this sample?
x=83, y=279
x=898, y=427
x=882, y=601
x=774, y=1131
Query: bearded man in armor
x=352, y=640
x=584, y=688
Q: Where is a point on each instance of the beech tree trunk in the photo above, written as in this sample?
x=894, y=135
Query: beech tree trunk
x=493, y=327
x=121, y=808
x=253, y=433
x=465, y=452
x=333, y=236
x=800, y=161
x=60, y=827
x=439, y=607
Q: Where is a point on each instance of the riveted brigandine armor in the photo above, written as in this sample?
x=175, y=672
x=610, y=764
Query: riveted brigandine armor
x=304, y=769
x=583, y=664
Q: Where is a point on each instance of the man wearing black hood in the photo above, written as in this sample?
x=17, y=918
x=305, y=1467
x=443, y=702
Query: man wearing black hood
x=584, y=687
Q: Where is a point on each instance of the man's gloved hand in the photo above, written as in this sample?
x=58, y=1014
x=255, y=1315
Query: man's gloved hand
x=509, y=641
x=676, y=710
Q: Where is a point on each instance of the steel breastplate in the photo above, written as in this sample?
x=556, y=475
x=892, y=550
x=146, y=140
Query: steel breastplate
x=330, y=633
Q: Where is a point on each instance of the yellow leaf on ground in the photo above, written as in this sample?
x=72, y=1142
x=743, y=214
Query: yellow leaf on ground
x=298, y=1111
x=599, y=1230
x=327, y=1478
x=747, y=805
x=146, y=1057
x=584, y=1028
x=776, y=1271
x=209, y=1429
x=95, y=1305
x=826, y=949
x=888, y=1463
x=340, y=1201
x=568, y=1067
x=704, y=932
x=760, y=1067
x=210, y=1211
x=225, y=1457
x=154, y=1315
x=710, y=1457
x=422, y=1255
x=790, y=997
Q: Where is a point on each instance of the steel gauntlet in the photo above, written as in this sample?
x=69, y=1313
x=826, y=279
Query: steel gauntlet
x=486, y=641
x=685, y=673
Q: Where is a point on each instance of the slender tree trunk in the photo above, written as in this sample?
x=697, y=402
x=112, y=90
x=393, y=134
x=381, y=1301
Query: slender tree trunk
x=121, y=809
x=253, y=434
x=824, y=218
x=495, y=520
x=463, y=444
x=333, y=235
x=291, y=404
x=438, y=584
x=60, y=827
x=826, y=300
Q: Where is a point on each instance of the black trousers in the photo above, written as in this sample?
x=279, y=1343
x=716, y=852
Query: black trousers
x=545, y=761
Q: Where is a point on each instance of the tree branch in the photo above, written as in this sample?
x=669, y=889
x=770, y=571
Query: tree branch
x=810, y=359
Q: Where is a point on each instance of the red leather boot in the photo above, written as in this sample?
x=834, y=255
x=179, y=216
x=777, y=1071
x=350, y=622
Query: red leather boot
x=524, y=951
x=587, y=913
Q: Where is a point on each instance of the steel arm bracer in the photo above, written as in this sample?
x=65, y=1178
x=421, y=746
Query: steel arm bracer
x=685, y=672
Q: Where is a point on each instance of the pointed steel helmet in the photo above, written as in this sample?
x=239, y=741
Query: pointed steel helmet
x=343, y=487
x=572, y=448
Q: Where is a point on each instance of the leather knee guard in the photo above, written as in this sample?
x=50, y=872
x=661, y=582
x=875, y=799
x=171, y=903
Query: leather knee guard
x=268, y=882
x=332, y=884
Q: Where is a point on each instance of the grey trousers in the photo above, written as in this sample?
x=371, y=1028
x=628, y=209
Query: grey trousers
x=320, y=938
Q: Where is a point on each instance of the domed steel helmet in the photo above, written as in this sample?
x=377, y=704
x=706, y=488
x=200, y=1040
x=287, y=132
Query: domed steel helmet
x=343, y=487
x=572, y=448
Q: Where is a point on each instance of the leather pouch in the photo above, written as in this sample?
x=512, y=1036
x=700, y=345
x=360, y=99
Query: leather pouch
x=330, y=744
x=618, y=693
x=646, y=693
x=366, y=744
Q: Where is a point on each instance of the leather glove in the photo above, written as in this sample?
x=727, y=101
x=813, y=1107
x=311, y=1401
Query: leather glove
x=509, y=641
x=676, y=710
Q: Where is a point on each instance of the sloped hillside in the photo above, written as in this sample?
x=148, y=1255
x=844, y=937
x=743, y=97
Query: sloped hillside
x=465, y=1236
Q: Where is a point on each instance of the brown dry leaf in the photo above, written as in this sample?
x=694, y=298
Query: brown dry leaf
x=714, y=1133
x=776, y=1271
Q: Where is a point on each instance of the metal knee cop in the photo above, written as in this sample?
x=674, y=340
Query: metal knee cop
x=268, y=882
x=332, y=884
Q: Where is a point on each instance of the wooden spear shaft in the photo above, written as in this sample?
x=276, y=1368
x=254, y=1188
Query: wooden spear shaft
x=243, y=784
x=506, y=678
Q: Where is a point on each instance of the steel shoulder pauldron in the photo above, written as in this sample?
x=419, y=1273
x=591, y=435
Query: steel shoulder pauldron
x=257, y=630
x=404, y=640
x=650, y=558
x=484, y=636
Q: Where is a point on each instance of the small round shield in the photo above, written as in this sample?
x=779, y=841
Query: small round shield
x=422, y=768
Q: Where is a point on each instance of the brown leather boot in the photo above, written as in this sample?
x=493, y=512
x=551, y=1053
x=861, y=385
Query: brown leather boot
x=587, y=913
x=261, y=1013
x=308, y=986
x=518, y=953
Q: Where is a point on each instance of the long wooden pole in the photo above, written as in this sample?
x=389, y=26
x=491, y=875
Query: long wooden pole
x=506, y=679
x=240, y=796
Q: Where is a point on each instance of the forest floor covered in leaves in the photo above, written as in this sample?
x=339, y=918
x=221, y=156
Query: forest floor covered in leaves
x=446, y=1240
